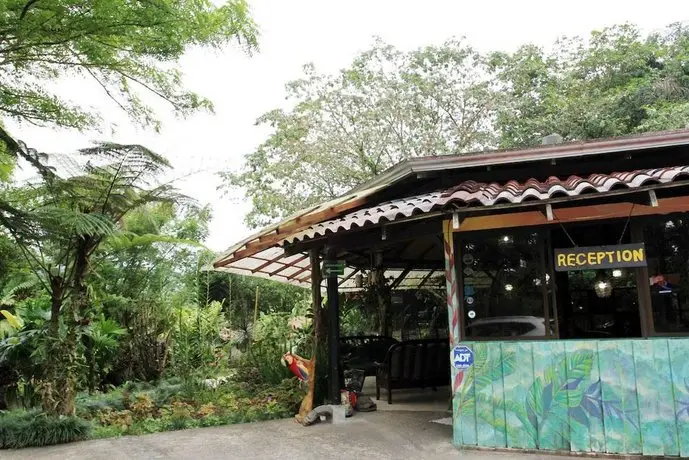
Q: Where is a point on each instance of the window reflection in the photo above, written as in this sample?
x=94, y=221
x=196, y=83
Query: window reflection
x=667, y=246
x=503, y=278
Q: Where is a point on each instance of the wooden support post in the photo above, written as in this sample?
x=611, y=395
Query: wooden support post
x=643, y=287
x=333, y=334
x=307, y=403
x=316, y=297
x=383, y=299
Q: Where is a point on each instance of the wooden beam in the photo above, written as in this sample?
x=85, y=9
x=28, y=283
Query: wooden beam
x=286, y=265
x=399, y=279
x=292, y=226
x=411, y=266
x=574, y=214
x=295, y=274
x=426, y=278
x=370, y=238
x=264, y=265
x=344, y=280
x=416, y=264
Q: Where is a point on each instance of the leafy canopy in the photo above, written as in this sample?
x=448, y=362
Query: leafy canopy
x=615, y=83
x=128, y=47
x=390, y=105
x=346, y=128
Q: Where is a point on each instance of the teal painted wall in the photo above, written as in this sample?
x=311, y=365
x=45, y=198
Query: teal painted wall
x=612, y=396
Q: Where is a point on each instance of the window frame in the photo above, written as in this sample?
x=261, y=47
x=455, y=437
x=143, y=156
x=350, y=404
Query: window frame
x=636, y=229
x=645, y=301
x=543, y=235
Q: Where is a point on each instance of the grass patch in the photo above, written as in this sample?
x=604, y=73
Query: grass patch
x=33, y=429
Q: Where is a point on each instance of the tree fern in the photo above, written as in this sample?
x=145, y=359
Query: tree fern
x=65, y=217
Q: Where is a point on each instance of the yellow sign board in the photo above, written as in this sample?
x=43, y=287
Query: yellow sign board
x=599, y=257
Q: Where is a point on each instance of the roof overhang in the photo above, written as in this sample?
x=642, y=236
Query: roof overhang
x=263, y=254
x=414, y=166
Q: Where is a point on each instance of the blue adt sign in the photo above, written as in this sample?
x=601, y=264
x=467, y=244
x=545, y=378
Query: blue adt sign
x=462, y=357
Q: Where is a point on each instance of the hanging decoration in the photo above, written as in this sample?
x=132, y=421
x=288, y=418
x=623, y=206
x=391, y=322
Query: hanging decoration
x=602, y=286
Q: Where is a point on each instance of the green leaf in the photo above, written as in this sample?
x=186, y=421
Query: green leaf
x=12, y=320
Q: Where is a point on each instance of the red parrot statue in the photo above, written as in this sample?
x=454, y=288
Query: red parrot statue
x=299, y=366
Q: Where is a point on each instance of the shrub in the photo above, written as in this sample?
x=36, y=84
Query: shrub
x=143, y=406
x=33, y=429
x=107, y=431
x=88, y=405
x=263, y=363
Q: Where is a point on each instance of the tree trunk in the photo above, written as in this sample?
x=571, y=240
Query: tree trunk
x=58, y=392
x=56, y=291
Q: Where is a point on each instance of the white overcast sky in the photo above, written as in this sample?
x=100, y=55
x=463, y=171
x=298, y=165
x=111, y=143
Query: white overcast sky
x=328, y=33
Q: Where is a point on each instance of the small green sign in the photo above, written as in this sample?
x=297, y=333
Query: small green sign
x=333, y=267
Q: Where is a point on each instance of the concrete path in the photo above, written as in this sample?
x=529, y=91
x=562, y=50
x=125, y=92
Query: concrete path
x=373, y=435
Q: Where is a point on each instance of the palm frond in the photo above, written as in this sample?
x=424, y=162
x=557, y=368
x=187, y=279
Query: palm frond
x=75, y=222
x=128, y=240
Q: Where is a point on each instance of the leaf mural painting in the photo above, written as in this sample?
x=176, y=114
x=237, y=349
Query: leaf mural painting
x=577, y=397
x=458, y=381
x=683, y=410
x=555, y=393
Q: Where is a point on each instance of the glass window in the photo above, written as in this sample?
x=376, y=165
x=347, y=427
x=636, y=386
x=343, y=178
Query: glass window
x=667, y=247
x=503, y=278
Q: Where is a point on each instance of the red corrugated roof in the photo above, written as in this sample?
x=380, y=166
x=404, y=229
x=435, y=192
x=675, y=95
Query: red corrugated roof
x=472, y=194
x=574, y=149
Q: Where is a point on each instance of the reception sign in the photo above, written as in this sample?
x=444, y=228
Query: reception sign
x=599, y=257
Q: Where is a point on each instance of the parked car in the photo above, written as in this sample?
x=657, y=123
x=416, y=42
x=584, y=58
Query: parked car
x=507, y=326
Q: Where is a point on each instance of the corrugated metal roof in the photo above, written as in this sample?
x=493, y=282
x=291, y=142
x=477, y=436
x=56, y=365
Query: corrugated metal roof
x=273, y=234
x=273, y=263
x=296, y=270
x=471, y=194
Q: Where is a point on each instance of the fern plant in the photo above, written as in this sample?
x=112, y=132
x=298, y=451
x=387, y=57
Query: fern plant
x=76, y=205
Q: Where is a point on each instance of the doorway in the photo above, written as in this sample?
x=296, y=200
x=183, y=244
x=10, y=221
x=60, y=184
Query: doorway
x=596, y=303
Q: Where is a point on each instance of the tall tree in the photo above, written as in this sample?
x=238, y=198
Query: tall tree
x=66, y=217
x=131, y=49
x=343, y=129
x=615, y=83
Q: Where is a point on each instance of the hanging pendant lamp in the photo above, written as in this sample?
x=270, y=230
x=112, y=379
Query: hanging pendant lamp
x=602, y=285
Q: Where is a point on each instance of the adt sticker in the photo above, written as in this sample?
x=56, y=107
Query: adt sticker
x=462, y=357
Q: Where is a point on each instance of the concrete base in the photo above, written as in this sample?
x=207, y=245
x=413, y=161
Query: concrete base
x=339, y=415
x=336, y=414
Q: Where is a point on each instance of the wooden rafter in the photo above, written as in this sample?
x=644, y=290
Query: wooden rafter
x=291, y=264
x=290, y=227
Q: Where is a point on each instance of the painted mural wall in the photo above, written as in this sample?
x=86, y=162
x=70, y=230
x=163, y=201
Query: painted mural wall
x=614, y=396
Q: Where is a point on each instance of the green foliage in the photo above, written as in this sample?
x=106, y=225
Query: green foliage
x=20, y=429
x=263, y=363
x=355, y=320
x=198, y=349
x=616, y=82
x=130, y=49
x=238, y=295
x=239, y=400
x=385, y=107
x=389, y=105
